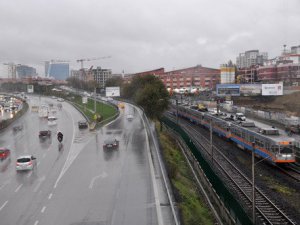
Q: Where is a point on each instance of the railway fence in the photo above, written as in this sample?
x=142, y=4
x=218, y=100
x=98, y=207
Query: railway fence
x=234, y=208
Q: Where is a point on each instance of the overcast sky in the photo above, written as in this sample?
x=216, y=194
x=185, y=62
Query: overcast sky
x=142, y=35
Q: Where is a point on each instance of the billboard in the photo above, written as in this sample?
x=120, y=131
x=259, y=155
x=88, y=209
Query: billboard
x=112, y=91
x=272, y=89
x=84, y=99
x=228, y=90
x=30, y=88
x=250, y=89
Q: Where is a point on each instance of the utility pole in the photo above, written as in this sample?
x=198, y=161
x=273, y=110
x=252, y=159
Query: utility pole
x=211, y=144
x=253, y=182
x=177, y=110
x=95, y=100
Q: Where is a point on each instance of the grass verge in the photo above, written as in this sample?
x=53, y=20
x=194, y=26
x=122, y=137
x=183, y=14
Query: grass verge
x=104, y=110
x=193, y=209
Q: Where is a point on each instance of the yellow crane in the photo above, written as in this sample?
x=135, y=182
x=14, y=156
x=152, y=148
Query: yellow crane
x=91, y=59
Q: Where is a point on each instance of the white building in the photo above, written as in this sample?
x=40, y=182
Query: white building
x=7, y=70
x=250, y=58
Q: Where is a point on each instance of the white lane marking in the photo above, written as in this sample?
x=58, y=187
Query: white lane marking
x=68, y=160
x=4, y=204
x=36, y=222
x=38, y=163
x=50, y=196
x=152, y=173
x=18, y=188
x=102, y=175
x=40, y=181
x=43, y=209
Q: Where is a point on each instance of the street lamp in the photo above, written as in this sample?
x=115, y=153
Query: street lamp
x=253, y=179
x=176, y=110
x=211, y=145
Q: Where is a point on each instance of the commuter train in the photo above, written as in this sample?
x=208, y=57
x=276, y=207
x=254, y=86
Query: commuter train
x=268, y=142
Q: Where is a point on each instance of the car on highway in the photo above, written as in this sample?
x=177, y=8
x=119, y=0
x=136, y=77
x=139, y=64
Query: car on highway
x=17, y=128
x=82, y=124
x=4, y=153
x=129, y=117
x=111, y=143
x=60, y=100
x=52, y=120
x=26, y=162
x=44, y=134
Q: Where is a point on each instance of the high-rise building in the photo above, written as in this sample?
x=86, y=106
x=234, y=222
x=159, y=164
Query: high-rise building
x=23, y=71
x=59, y=71
x=251, y=58
x=101, y=75
x=8, y=70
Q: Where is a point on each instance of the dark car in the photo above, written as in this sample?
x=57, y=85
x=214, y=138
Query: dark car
x=82, y=124
x=111, y=143
x=17, y=128
x=45, y=134
x=4, y=153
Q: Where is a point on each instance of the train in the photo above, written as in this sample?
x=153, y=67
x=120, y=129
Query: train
x=267, y=141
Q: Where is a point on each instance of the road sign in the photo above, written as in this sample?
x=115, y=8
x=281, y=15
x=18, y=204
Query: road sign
x=84, y=99
x=30, y=88
x=112, y=91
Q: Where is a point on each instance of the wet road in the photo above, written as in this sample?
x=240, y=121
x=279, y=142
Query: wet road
x=83, y=183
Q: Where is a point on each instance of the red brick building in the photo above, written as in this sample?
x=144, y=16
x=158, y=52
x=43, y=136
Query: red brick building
x=197, y=76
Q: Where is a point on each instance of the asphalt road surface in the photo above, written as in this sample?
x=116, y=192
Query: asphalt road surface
x=82, y=183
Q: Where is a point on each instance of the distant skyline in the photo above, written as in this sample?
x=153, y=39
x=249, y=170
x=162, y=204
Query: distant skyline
x=142, y=35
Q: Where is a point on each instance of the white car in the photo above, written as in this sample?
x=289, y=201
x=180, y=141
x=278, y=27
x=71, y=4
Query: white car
x=129, y=117
x=240, y=116
x=26, y=162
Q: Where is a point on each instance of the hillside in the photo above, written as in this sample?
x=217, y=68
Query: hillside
x=289, y=104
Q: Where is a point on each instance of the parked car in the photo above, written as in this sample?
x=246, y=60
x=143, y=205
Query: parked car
x=27, y=162
x=45, y=133
x=82, y=124
x=4, y=153
x=240, y=116
x=111, y=143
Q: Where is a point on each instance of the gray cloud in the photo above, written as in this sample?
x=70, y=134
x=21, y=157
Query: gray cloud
x=146, y=34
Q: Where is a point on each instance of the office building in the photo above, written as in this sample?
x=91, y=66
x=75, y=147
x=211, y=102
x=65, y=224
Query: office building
x=58, y=71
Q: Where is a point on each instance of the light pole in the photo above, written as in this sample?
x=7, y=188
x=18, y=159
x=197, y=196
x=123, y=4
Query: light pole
x=253, y=179
x=253, y=183
x=176, y=110
x=95, y=100
x=211, y=145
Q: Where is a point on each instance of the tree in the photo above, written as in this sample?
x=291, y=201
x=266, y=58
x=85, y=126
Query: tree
x=150, y=93
x=114, y=82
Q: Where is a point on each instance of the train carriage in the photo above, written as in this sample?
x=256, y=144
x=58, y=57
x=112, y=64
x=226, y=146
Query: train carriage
x=268, y=142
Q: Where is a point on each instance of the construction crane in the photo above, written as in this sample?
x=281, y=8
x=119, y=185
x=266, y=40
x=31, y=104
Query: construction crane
x=91, y=59
x=59, y=61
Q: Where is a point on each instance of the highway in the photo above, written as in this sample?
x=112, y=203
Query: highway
x=82, y=183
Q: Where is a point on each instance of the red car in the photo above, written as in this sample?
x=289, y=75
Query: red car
x=4, y=153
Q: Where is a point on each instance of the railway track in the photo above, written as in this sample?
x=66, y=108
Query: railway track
x=266, y=211
x=290, y=171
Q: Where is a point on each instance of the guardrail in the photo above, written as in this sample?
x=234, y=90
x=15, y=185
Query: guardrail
x=5, y=123
x=233, y=206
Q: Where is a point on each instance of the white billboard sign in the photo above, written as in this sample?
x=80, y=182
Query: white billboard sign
x=30, y=88
x=84, y=100
x=272, y=89
x=112, y=91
